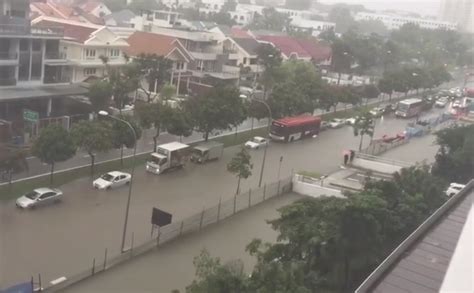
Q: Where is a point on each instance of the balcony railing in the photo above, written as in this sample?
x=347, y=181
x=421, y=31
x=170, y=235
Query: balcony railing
x=8, y=56
x=19, y=29
x=57, y=79
x=7, y=81
x=55, y=55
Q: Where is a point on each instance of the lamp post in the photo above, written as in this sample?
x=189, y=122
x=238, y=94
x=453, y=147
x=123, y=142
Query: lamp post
x=127, y=210
x=266, y=145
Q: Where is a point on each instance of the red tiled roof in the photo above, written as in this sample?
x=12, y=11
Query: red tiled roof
x=46, y=9
x=318, y=51
x=239, y=33
x=287, y=45
x=77, y=33
x=151, y=43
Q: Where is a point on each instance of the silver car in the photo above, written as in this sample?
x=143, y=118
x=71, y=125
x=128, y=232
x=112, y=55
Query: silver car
x=39, y=197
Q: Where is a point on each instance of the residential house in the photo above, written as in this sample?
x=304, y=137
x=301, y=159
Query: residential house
x=214, y=60
x=83, y=47
x=320, y=52
x=96, y=8
x=29, y=57
x=157, y=18
x=315, y=27
x=49, y=8
x=122, y=18
x=288, y=46
x=247, y=52
x=168, y=47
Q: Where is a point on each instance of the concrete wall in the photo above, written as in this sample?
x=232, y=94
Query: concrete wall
x=376, y=166
x=313, y=189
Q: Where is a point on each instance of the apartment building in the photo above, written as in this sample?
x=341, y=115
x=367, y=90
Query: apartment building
x=33, y=70
x=460, y=11
x=392, y=21
x=84, y=49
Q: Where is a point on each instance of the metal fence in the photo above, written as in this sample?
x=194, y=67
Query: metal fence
x=378, y=147
x=195, y=223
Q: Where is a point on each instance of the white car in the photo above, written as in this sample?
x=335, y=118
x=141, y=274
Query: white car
x=351, y=121
x=112, y=179
x=336, y=123
x=442, y=102
x=39, y=196
x=454, y=189
x=457, y=104
x=256, y=143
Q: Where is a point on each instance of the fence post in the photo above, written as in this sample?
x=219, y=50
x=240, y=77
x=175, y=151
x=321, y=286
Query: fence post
x=219, y=209
x=202, y=217
x=158, y=237
x=250, y=197
x=181, y=228
x=105, y=259
x=93, y=266
x=131, y=248
x=235, y=201
x=264, y=191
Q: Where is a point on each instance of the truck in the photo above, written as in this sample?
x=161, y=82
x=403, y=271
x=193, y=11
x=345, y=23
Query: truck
x=207, y=151
x=167, y=157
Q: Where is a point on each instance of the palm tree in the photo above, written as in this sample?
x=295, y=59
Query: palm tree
x=364, y=125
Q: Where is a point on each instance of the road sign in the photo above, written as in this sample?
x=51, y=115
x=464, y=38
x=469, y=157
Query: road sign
x=30, y=116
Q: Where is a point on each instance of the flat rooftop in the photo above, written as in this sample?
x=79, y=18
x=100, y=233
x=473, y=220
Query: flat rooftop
x=40, y=91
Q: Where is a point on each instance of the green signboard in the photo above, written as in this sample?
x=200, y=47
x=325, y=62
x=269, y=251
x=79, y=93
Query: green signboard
x=30, y=116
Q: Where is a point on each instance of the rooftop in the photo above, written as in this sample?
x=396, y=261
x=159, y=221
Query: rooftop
x=173, y=146
x=289, y=121
x=249, y=45
x=19, y=92
x=430, y=258
x=287, y=45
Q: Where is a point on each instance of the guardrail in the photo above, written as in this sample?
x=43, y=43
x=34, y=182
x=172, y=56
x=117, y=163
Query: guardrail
x=374, y=277
x=173, y=231
x=383, y=160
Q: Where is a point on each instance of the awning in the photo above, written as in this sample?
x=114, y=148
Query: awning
x=42, y=91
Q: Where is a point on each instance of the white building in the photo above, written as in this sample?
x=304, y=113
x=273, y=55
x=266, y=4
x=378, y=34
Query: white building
x=392, y=21
x=314, y=26
x=84, y=47
x=158, y=18
x=460, y=11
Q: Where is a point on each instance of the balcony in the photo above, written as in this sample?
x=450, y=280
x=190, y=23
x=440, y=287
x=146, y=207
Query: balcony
x=22, y=30
x=7, y=81
x=55, y=55
x=8, y=56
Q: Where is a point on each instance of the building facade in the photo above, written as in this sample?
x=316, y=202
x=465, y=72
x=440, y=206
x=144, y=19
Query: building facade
x=392, y=21
x=460, y=11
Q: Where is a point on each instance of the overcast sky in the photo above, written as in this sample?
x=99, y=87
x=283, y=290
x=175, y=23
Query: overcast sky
x=423, y=7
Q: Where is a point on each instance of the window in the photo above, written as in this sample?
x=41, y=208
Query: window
x=114, y=53
x=89, y=71
x=47, y=195
x=90, y=53
x=245, y=60
x=179, y=65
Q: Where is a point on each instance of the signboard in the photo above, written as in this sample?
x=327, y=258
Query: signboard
x=30, y=116
x=160, y=218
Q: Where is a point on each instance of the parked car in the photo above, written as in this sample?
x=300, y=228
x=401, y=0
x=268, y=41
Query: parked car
x=39, y=196
x=377, y=111
x=390, y=139
x=442, y=102
x=256, y=142
x=457, y=104
x=454, y=189
x=336, y=123
x=390, y=108
x=112, y=179
x=351, y=121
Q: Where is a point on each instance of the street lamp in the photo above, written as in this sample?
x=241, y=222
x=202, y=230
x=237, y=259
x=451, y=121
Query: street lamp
x=127, y=210
x=268, y=130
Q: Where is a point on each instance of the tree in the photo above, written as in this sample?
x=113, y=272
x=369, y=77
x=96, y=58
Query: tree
x=270, y=19
x=115, y=5
x=455, y=159
x=179, y=122
x=123, y=81
x=369, y=27
x=219, y=109
x=122, y=135
x=222, y=18
x=137, y=6
x=386, y=86
x=270, y=58
x=152, y=115
x=155, y=70
x=342, y=17
x=167, y=91
x=100, y=93
x=240, y=166
x=12, y=161
x=215, y=277
x=369, y=91
x=229, y=5
x=93, y=137
x=364, y=125
x=53, y=145
x=341, y=58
